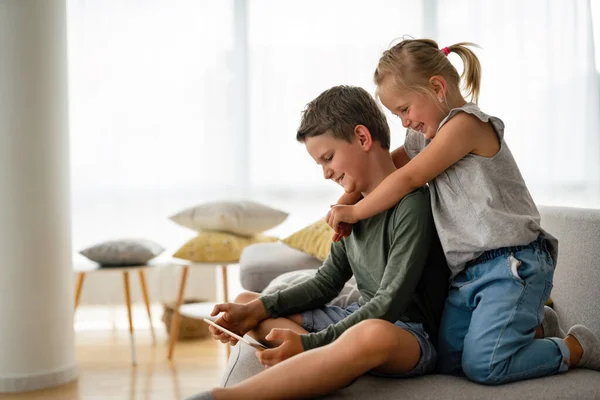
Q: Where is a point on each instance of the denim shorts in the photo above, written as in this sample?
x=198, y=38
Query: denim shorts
x=320, y=318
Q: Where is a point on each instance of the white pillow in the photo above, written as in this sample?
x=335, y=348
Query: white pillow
x=123, y=252
x=245, y=218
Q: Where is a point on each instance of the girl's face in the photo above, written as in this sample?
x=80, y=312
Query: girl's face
x=417, y=110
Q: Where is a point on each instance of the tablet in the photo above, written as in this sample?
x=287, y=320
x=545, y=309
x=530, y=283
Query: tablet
x=249, y=341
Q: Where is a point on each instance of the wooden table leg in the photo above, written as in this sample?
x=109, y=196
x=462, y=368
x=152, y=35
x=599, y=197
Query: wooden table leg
x=225, y=288
x=128, y=301
x=225, y=297
x=147, y=302
x=176, y=320
x=78, y=288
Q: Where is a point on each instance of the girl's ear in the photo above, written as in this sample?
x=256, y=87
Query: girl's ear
x=438, y=83
x=363, y=136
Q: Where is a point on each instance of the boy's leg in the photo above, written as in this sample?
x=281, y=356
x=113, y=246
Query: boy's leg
x=370, y=345
x=292, y=322
x=508, y=300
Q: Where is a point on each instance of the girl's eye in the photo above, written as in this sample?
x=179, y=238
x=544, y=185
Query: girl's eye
x=404, y=110
x=328, y=158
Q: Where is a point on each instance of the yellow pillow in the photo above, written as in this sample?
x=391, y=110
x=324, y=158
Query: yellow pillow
x=218, y=246
x=315, y=239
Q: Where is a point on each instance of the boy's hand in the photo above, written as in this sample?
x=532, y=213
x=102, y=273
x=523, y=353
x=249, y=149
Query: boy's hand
x=341, y=213
x=290, y=346
x=238, y=318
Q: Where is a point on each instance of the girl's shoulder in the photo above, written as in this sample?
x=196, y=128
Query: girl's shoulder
x=471, y=116
x=468, y=125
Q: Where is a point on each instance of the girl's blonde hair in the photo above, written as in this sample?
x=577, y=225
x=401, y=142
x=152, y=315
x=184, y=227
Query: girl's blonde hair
x=413, y=61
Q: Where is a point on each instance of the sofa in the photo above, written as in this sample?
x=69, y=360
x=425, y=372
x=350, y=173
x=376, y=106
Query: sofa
x=576, y=298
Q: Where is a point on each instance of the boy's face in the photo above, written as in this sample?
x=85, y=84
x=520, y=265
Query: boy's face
x=342, y=162
x=416, y=110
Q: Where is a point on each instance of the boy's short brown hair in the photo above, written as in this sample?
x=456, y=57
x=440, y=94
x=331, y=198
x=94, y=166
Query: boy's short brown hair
x=338, y=110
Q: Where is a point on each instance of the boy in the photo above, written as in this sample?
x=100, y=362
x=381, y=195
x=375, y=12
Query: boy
x=395, y=256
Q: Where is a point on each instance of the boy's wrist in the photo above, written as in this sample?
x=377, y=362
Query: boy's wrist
x=258, y=310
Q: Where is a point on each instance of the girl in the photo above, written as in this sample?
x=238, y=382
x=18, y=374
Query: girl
x=502, y=262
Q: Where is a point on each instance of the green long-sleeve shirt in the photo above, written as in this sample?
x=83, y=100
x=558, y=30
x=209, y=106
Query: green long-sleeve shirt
x=399, y=267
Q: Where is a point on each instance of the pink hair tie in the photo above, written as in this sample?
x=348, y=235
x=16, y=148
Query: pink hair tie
x=446, y=51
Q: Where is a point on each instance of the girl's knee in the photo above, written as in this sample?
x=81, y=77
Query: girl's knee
x=479, y=367
x=476, y=373
x=246, y=297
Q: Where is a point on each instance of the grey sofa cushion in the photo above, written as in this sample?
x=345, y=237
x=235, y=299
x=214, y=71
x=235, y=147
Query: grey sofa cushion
x=576, y=296
x=123, y=252
x=578, y=384
x=262, y=262
x=347, y=296
x=576, y=292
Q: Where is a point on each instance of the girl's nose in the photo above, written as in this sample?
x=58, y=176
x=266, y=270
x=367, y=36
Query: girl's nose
x=327, y=173
x=405, y=122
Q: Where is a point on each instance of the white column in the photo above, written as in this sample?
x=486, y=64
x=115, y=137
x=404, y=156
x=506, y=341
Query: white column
x=36, y=284
x=241, y=98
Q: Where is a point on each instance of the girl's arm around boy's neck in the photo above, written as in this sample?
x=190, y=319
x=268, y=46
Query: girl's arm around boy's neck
x=400, y=159
x=350, y=198
x=455, y=140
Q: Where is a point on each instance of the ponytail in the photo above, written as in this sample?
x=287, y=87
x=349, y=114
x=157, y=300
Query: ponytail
x=413, y=61
x=471, y=76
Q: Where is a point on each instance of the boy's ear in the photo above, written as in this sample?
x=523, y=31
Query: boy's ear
x=363, y=136
x=438, y=83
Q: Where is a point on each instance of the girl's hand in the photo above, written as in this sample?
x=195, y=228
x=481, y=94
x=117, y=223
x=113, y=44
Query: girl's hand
x=341, y=213
x=291, y=344
x=345, y=231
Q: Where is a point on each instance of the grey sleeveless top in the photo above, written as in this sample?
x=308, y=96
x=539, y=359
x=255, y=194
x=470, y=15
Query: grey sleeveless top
x=481, y=203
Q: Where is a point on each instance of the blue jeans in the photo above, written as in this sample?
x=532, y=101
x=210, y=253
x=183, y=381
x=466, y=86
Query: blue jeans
x=491, y=314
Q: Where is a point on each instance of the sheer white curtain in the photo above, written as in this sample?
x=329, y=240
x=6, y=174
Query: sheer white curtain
x=296, y=51
x=540, y=77
x=151, y=126
x=177, y=102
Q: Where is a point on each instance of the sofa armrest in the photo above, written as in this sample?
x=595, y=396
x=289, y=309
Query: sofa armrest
x=260, y=263
x=576, y=292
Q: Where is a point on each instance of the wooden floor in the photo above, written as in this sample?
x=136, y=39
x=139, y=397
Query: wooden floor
x=106, y=371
